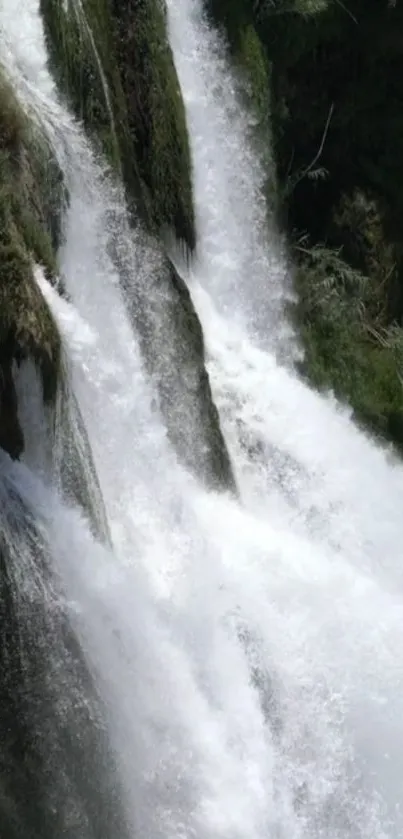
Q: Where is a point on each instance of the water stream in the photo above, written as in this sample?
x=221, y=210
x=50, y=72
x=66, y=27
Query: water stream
x=246, y=654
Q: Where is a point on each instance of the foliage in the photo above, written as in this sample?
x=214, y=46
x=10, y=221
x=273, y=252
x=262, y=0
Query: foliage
x=344, y=351
x=234, y=13
x=26, y=324
x=305, y=8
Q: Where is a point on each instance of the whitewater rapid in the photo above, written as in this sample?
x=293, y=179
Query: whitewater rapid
x=248, y=652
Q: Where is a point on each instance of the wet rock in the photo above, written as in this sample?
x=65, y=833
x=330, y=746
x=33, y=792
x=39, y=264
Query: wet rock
x=172, y=342
x=114, y=63
x=11, y=436
x=57, y=772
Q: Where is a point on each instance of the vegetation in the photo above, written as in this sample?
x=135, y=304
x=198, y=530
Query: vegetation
x=81, y=48
x=112, y=60
x=336, y=87
x=31, y=194
x=346, y=348
x=156, y=113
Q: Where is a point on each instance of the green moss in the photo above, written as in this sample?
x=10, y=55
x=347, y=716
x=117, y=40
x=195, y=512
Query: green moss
x=254, y=60
x=30, y=204
x=237, y=18
x=156, y=114
x=12, y=120
x=31, y=182
x=79, y=37
x=27, y=328
x=113, y=62
x=40, y=201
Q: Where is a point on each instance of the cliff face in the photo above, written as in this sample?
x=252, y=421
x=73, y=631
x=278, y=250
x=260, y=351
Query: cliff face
x=336, y=87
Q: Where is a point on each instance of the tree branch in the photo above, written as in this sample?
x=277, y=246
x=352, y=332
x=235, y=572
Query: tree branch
x=309, y=168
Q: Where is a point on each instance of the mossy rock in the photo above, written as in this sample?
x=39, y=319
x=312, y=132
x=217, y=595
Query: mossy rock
x=74, y=462
x=156, y=113
x=192, y=418
x=32, y=192
x=171, y=340
x=253, y=58
x=113, y=62
x=31, y=196
x=237, y=21
x=81, y=51
x=41, y=202
x=27, y=328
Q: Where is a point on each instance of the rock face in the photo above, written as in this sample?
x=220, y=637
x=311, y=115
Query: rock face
x=11, y=436
x=29, y=182
x=57, y=772
x=173, y=348
x=185, y=392
x=32, y=198
x=73, y=461
x=335, y=77
x=156, y=114
x=114, y=63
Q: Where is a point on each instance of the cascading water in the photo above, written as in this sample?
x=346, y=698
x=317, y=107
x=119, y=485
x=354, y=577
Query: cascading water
x=301, y=466
x=247, y=655
x=236, y=252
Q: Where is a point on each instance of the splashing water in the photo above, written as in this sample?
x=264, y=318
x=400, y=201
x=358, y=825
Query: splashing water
x=248, y=655
x=330, y=495
x=241, y=261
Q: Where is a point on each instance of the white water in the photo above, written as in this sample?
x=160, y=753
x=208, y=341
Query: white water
x=332, y=498
x=307, y=570
x=242, y=262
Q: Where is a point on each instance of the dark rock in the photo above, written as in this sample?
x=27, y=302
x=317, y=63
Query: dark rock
x=57, y=770
x=11, y=436
x=172, y=342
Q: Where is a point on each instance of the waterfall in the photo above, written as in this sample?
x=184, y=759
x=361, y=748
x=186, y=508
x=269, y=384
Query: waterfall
x=313, y=488
x=242, y=261
x=225, y=667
